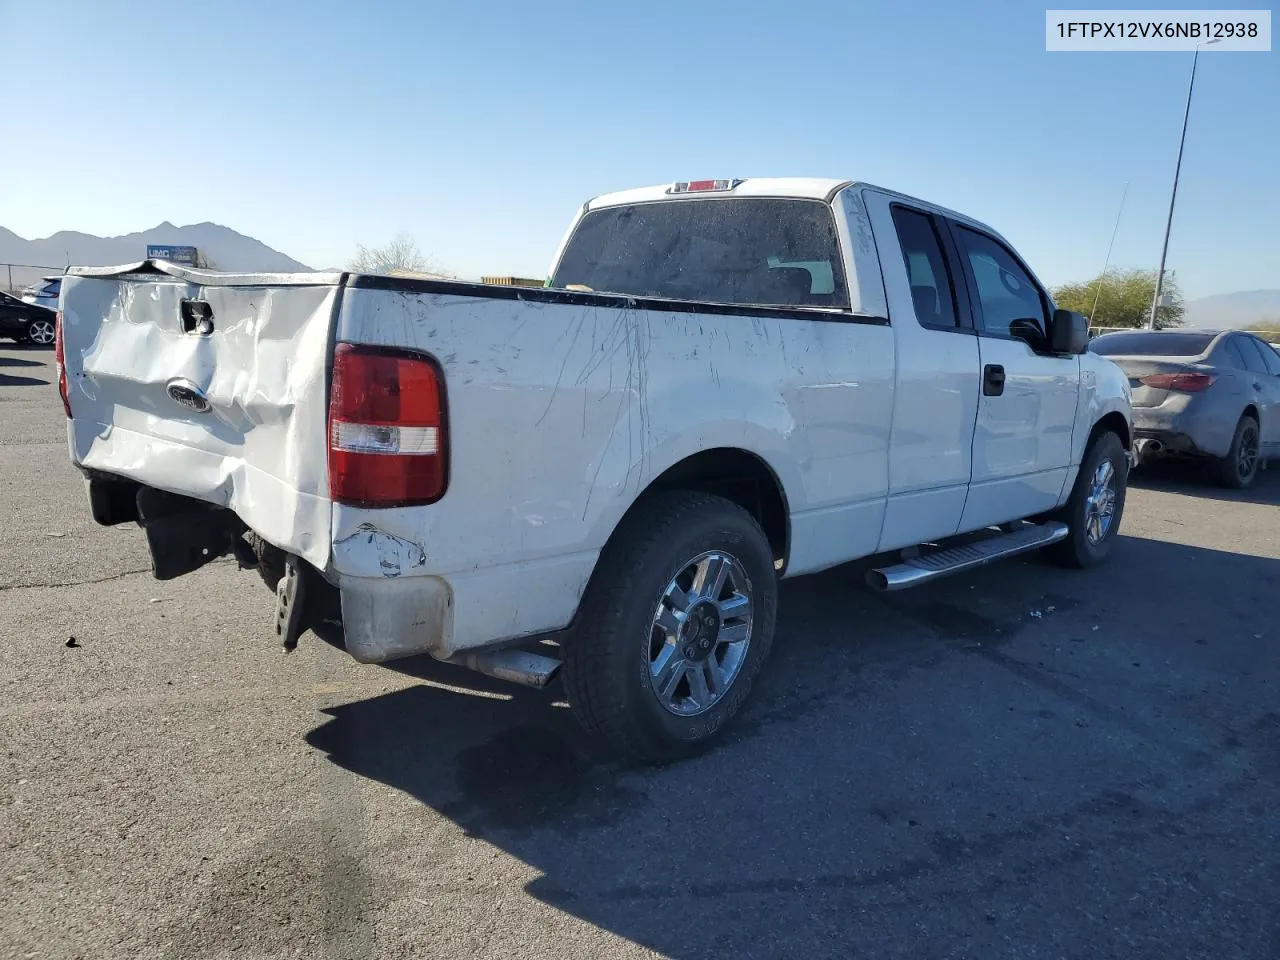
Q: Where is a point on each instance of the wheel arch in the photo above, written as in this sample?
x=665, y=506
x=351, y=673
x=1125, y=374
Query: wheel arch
x=1113, y=422
x=737, y=475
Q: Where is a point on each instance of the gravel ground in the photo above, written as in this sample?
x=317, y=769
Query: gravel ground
x=1022, y=763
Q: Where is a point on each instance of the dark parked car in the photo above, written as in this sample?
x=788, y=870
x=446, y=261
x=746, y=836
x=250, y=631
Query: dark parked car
x=26, y=322
x=1201, y=394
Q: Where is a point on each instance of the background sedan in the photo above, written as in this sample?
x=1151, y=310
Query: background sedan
x=45, y=293
x=26, y=322
x=1202, y=394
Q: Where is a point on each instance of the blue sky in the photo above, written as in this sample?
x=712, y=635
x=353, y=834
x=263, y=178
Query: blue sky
x=479, y=128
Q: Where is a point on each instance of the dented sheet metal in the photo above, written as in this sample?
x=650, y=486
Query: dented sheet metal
x=376, y=553
x=210, y=386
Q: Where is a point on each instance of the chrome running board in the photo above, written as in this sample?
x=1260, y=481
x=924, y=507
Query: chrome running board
x=912, y=573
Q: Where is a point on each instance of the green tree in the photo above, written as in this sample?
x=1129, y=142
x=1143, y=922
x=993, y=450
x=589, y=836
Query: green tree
x=1123, y=299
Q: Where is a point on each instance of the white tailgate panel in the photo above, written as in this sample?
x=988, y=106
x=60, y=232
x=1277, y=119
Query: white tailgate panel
x=260, y=449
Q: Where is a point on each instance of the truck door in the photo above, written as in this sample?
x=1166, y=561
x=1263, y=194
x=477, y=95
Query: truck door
x=1027, y=411
x=936, y=377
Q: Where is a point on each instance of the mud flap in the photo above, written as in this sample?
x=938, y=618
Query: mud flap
x=291, y=601
x=111, y=501
x=183, y=534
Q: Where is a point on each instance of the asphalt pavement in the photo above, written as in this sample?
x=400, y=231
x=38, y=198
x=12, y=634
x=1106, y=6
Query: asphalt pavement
x=1022, y=762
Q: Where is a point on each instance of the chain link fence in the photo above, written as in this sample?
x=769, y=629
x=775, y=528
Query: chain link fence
x=16, y=277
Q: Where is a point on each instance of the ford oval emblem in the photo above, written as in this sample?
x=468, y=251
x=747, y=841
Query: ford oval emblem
x=189, y=395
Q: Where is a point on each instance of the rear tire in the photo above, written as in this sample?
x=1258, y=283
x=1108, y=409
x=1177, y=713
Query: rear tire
x=1239, y=468
x=1096, y=506
x=640, y=673
x=40, y=332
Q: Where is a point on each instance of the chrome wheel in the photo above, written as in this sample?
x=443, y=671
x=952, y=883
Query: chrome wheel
x=700, y=633
x=41, y=332
x=1100, y=506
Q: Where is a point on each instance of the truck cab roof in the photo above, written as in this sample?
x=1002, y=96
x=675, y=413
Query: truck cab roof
x=798, y=188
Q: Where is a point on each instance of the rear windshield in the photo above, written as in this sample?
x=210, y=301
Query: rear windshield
x=1152, y=344
x=739, y=250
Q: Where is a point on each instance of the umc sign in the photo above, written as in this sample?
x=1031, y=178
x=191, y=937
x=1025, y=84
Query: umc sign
x=186, y=255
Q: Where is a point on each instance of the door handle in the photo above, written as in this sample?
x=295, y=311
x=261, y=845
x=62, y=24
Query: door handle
x=992, y=380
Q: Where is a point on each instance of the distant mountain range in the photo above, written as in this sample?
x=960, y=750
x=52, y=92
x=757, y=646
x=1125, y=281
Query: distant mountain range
x=225, y=249
x=1235, y=310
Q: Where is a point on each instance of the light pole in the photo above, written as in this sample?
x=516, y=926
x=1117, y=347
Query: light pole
x=1164, y=251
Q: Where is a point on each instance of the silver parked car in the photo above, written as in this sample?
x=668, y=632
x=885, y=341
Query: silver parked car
x=1201, y=394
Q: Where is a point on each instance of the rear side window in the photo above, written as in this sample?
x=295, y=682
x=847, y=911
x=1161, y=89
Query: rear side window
x=734, y=250
x=932, y=291
x=1254, y=358
x=1272, y=356
x=1151, y=344
x=1234, y=354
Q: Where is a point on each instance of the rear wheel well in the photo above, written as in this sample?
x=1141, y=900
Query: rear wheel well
x=1251, y=411
x=1113, y=422
x=742, y=478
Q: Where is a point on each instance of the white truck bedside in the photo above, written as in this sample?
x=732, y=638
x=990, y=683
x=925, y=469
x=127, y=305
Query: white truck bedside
x=724, y=383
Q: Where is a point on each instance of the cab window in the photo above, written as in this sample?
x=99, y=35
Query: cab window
x=932, y=291
x=1005, y=292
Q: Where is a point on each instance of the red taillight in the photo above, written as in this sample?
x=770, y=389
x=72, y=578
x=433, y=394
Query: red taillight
x=59, y=360
x=1182, y=382
x=387, y=441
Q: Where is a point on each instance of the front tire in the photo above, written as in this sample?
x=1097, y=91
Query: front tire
x=1239, y=468
x=674, y=626
x=1097, y=503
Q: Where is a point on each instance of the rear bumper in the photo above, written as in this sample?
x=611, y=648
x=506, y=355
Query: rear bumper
x=295, y=520
x=389, y=606
x=388, y=617
x=1191, y=431
x=1164, y=441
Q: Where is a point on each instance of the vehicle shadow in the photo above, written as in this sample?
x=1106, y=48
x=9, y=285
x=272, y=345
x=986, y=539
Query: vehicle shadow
x=1192, y=478
x=19, y=362
x=972, y=766
x=11, y=381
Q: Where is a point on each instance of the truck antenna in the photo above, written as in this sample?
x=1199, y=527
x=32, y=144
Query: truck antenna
x=1107, y=263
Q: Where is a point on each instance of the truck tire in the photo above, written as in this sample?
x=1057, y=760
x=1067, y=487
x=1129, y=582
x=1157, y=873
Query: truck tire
x=1096, y=506
x=1239, y=468
x=675, y=624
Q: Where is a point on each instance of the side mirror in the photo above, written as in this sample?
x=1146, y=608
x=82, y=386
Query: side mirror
x=1028, y=331
x=1068, y=332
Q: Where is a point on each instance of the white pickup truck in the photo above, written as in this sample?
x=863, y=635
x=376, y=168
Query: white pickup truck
x=724, y=382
